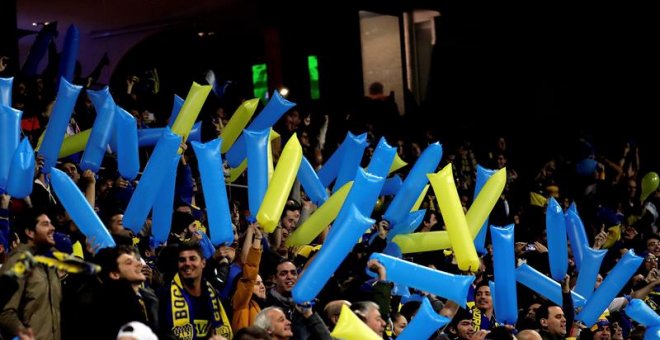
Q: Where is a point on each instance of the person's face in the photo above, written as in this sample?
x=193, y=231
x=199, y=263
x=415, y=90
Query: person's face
x=286, y=277
x=632, y=189
x=531, y=311
x=464, y=329
x=399, y=325
x=130, y=269
x=483, y=299
x=375, y=321
x=43, y=232
x=616, y=331
x=653, y=246
x=235, y=217
x=603, y=333
x=556, y=322
x=501, y=161
x=259, y=288
x=190, y=264
x=290, y=219
x=116, y=224
x=71, y=170
x=292, y=120
x=280, y=325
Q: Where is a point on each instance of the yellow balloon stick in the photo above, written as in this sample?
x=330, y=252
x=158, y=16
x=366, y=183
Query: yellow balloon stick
x=234, y=173
x=280, y=185
x=397, y=164
x=485, y=201
x=237, y=123
x=320, y=219
x=190, y=109
x=350, y=327
x=452, y=212
x=475, y=217
x=420, y=199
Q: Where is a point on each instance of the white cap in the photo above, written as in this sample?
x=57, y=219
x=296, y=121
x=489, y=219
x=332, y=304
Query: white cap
x=136, y=330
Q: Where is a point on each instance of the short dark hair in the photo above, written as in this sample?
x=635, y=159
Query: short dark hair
x=107, y=259
x=27, y=221
x=376, y=88
x=543, y=311
x=191, y=245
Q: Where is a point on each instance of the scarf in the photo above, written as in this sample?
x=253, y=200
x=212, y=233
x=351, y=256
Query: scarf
x=183, y=319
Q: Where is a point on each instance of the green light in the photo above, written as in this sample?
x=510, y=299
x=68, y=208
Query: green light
x=260, y=80
x=313, y=67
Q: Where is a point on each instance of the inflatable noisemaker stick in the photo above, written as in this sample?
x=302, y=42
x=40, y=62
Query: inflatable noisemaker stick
x=407, y=226
x=309, y=180
x=280, y=185
x=557, y=242
x=504, y=259
x=149, y=137
x=346, y=230
x=350, y=327
x=10, y=125
x=21, y=171
x=545, y=286
x=234, y=173
x=392, y=186
x=215, y=191
x=67, y=94
x=350, y=162
x=483, y=204
x=397, y=164
x=457, y=226
x=425, y=322
x=576, y=234
x=5, y=90
x=611, y=286
x=330, y=168
x=257, y=157
x=101, y=133
x=128, y=158
x=381, y=160
x=639, y=311
x=652, y=333
x=79, y=209
x=414, y=184
x=152, y=178
x=71, y=145
x=483, y=175
x=319, y=219
x=69, y=54
x=273, y=111
x=176, y=108
x=450, y=286
x=650, y=183
x=475, y=217
x=190, y=110
x=420, y=199
x=237, y=123
x=587, y=276
x=164, y=205
x=38, y=49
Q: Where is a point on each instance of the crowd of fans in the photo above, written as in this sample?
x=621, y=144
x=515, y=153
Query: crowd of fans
x=188, y=289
